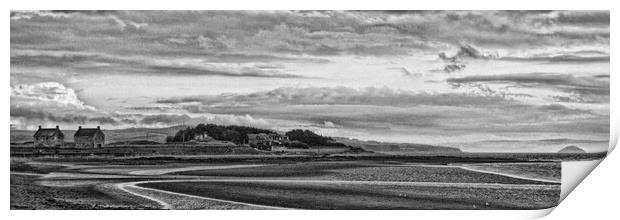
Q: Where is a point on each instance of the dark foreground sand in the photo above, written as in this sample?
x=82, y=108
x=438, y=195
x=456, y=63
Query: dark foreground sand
x=46, y=184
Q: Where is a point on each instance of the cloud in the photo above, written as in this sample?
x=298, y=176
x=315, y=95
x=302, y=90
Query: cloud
x=289, y=32
x=561, y=109
x=88, y=48
x=329, y=124
x=20, y=14
x=458, y=61
x=17, y=15
x=589, y=88
x=47, y=94
x=430, y=120
x=42, y=116
x=406, y=72
x=103, y=63
x=381, y=96
x=561, y=59
x=375, y=109
x=128, y=25
x=29, y=118
x=24, y=117
x=52, y=103
x=105, y=120
x=468, y=51
x=165, y=119
x=597, y=18
x=151, y=108
x=452, y=67
x=550, y=79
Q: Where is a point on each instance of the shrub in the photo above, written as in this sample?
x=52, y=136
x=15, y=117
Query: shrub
x=296, y=144
x=310, y=138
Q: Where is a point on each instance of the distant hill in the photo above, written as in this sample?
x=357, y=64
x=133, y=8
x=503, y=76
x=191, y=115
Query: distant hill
x=572, y=149
x=152, y=135
x=396, y=147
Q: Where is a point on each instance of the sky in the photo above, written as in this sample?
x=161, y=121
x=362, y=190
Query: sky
x=493, y=81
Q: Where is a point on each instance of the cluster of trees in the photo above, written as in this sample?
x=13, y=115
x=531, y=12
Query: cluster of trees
x=310, y=138
x=232, y=133
x=296, y=144
x=239, y=134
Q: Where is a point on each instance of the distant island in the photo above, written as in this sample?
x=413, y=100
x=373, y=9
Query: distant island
x=572, y=149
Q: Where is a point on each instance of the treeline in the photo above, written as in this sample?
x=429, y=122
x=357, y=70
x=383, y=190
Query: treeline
x=239, y=134
x=232, y=133
x=310, y=138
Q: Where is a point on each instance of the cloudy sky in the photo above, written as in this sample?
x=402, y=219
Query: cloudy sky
x=478, y=80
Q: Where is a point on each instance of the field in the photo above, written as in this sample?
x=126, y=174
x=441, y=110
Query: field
x=279, y=182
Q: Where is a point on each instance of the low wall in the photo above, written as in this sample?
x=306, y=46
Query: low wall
x=132, y=150
x=322, y=150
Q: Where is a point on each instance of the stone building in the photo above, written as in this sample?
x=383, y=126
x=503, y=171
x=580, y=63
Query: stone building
x=89, y=137
x=267, y=142
x=202, y=137
x=49, y=137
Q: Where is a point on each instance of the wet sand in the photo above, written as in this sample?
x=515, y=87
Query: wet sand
x=309, y=185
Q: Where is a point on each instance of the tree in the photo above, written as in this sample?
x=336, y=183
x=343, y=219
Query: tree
x=232, y=133
x=310, y=138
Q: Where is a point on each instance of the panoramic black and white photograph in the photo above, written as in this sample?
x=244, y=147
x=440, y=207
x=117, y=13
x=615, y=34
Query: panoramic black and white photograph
x=315, y=110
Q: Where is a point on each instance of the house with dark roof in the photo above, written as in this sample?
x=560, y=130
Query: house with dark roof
x=49, y=137
x=267, y=142
x=89, y=137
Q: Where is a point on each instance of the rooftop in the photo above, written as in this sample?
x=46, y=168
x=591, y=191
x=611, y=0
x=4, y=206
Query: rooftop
x=48, y=132
x=88, y=132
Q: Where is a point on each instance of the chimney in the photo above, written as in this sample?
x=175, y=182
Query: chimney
x=98, y=128
x=79, y=127
x=39, y=126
